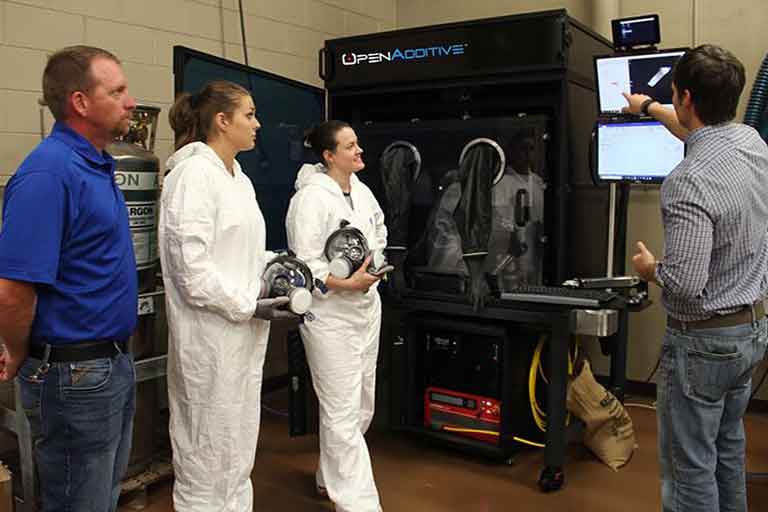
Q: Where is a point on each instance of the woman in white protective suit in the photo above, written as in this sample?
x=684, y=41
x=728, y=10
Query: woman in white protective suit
x=342, y=341
x=212, y=249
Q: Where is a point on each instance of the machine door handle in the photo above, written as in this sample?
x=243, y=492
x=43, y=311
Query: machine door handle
x=322, y=64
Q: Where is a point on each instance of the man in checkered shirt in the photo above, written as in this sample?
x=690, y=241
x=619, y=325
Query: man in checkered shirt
x=713, y=276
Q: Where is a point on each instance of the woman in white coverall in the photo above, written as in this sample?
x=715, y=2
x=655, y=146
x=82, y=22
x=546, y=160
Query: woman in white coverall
x=212, y=249
x=342, y=342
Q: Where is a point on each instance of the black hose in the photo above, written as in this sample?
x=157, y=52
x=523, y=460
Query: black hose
x=655, y=369
x=753, y=116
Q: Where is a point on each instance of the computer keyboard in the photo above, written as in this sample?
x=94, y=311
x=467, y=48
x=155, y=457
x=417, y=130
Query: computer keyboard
x=558, y=295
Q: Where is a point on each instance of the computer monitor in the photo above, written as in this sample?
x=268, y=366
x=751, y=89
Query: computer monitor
x=635, y=152
x=635, y=31
x=643, y=73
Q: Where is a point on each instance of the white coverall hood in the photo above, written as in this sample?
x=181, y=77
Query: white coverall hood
x=212, y=248
x=342, y=341
x=306, y=173
x=192, y=149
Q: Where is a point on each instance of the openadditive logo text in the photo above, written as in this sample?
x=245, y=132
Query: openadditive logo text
x=354, y=59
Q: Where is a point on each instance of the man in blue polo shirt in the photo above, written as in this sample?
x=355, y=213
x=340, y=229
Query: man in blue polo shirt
x=68, y=286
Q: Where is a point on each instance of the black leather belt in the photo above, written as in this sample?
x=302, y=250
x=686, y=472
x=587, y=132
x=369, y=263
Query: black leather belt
x=83, y=351
x=740, y=317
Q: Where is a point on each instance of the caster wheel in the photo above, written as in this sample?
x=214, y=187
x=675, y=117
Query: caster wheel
x=551, y=479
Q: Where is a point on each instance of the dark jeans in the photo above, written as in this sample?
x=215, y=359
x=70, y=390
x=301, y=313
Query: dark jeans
x=81, y=417
x=703, y=390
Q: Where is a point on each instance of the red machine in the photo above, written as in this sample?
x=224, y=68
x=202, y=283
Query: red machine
x=462, y=414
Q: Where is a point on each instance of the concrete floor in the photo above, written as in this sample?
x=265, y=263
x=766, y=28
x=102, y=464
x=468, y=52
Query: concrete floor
x=413, y=476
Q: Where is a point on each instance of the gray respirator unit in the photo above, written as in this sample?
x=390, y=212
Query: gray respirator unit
x=346, y=250
x=288, y=276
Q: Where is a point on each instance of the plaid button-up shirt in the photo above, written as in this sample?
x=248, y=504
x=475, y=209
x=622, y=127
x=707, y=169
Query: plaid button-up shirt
x=714, y=209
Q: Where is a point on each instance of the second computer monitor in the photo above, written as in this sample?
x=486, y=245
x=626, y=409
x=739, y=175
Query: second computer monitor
x=645, y=73
x=635, y=152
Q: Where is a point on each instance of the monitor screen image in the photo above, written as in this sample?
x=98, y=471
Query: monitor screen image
x=649, y=74
x=637, y=152
x=636, y=31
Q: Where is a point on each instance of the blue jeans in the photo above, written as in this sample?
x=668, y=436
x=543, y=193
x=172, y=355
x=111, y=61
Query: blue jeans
x=81, y=417
x=704, y=385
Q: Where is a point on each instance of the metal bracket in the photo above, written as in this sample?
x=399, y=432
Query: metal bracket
x=594, y=322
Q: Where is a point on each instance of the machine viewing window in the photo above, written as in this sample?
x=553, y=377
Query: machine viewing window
x=648, y=73
x=424, y=172
x=638, y=152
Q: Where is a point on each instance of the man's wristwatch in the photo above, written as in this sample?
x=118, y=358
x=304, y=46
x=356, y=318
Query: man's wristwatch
x=644, y=106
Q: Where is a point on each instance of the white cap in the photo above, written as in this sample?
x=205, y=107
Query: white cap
x=340, y=268
x=301, y=300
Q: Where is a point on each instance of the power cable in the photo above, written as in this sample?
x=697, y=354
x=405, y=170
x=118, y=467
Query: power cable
x=242, y=32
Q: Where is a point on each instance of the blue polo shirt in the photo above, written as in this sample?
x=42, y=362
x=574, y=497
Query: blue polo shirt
x=65, y=229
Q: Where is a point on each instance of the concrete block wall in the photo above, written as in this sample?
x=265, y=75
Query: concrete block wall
x=283, y=37
x=414, y=13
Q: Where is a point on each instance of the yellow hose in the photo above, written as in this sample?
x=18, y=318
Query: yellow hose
x=530, y=443
x=539, y=415
x=470, y=430
x=492, y=433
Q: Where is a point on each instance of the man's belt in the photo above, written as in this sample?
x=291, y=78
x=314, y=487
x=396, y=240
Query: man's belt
x=82, y=351
x=741, y=317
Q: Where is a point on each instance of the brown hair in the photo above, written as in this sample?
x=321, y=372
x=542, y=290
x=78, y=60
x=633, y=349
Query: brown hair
x=69, y=70
x=322, y=137
x=191, y=115
x=715, y=78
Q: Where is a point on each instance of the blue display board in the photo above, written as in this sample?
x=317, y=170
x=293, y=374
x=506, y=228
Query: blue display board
x=285, y=108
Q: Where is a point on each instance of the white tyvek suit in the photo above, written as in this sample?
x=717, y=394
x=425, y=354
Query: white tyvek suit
x=212, y=248
x=342, y=342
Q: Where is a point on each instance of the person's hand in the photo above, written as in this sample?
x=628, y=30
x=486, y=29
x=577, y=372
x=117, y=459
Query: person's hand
x=478, y=286
x=479, y=291
x=635, y=101
x=362, y=280
x=644, y=263
x=9, y=365
x=270, y=309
